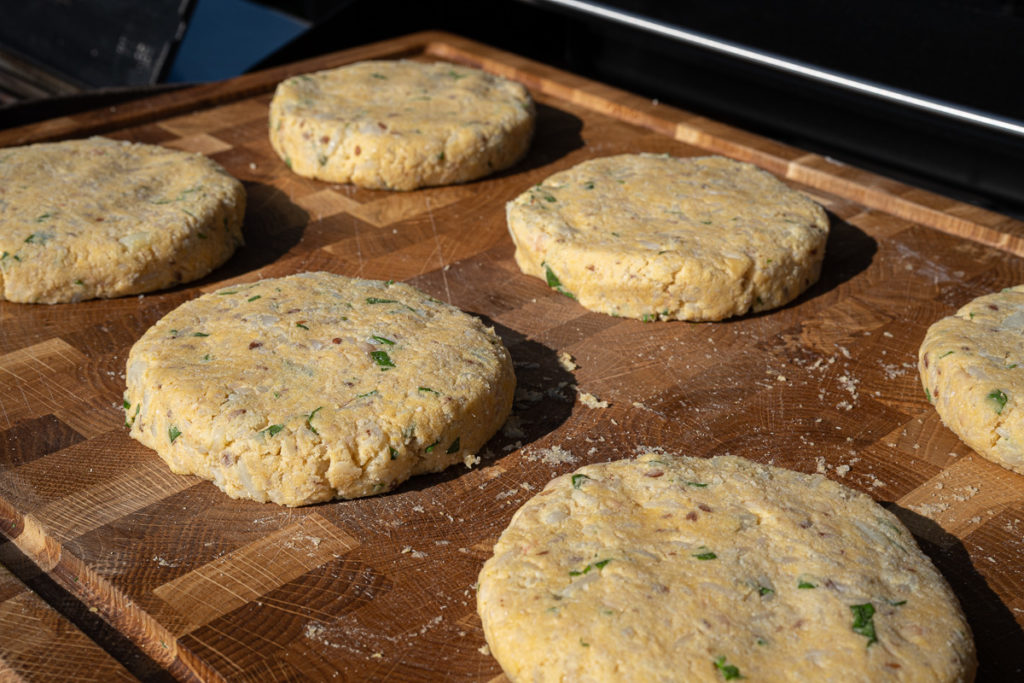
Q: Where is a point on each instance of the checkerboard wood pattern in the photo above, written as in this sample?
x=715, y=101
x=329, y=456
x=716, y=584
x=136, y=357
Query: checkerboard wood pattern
x=383, y=588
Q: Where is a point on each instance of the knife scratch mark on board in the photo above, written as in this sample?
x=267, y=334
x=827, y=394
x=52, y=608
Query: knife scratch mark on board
x=440, y=253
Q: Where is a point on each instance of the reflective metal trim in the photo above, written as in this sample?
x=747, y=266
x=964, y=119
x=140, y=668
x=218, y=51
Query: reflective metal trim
x=792, y=66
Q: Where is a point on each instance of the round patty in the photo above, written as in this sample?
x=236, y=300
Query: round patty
x=656, y=237
x=670, y=568
x=972, y=367
x=315, y=386
x=400, y=125
x=93, y=218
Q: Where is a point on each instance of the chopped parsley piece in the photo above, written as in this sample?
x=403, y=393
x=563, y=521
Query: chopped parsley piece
x=577, y=480
x=79, y=283
x=706, y=555
x=38, y=238
x=764, y=590
x=128, y=422
x=806, y=584
x=554, y=283
x=728, y=671
x=947, y=353
x=288, y=161
x=309, y=419
x=382, y=359
x=454, y=448
x=200, y=334
x=429, y=448
x=126, y=404
x=589, y=185
x=928, y=394
x=253, y=298
x=897, y=603
x=40, y=219
x=999, y=398
x=375, y=300
x=698, y=484
x=600, y=564
x=173, y=433
x=382, y=340
x=301, y=325
x=272, y=430
x=648, y=317
x=228, y=291
x=863, y=621
x=368, y=393
x=428, y=390
x=392, y=452
x=380, y=76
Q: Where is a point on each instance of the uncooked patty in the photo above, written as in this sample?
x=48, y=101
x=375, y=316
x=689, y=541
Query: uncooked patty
x=94, y=218
x=972, y=367
x=315, y=386
x=686, y=569
x=400, y=125
x=656, y=237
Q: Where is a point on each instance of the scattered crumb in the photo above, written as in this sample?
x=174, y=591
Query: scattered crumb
x=566, y=361
x=484, y=650
x=930, y=509
x=556, y=455
x=589, y=400
x=164, y=563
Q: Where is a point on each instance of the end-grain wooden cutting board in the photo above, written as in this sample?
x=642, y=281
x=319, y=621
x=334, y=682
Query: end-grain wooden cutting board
x=383, y=588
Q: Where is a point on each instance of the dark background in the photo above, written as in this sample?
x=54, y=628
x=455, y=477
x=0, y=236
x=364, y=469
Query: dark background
x=69, y=55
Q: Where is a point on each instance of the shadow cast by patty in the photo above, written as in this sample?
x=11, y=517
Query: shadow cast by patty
x=998, y=637
x=557, y=133
x=544, y=400
x=849, y=251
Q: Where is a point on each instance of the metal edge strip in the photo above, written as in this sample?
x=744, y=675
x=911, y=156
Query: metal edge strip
x=791, y=66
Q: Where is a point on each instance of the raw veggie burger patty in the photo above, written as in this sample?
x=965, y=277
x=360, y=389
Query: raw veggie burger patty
x=972, y=367
x=685, y=569
x=400, y=125
x=92, y=218
x=315, y=386
x=657, y=237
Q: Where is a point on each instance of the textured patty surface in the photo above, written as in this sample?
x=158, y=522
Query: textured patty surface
x=657, y=237
x=671, y=568
x=972, y=368
x=95, y=218
x=315, y=386
x=400, y=125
